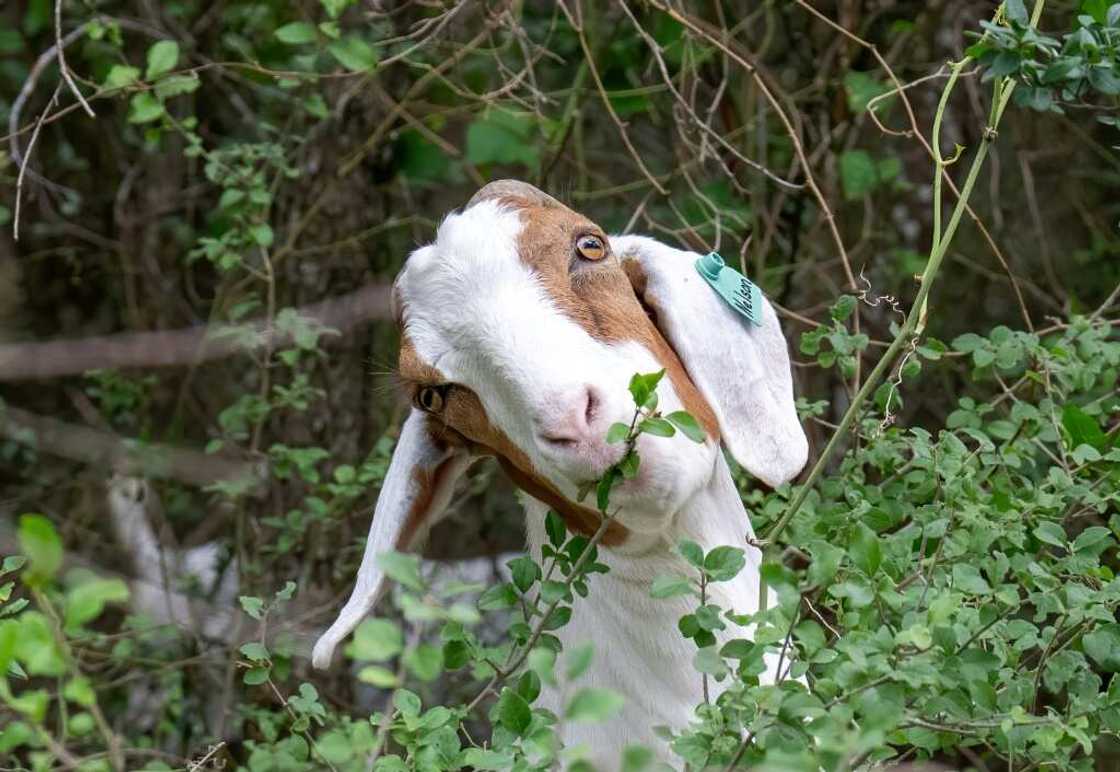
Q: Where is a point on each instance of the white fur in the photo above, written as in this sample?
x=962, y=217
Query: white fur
x=153, y=592
x=476, y=312
x=741, y=369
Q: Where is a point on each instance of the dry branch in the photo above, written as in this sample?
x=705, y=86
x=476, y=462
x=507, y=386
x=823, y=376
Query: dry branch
x=109, y=451
x=177, y=348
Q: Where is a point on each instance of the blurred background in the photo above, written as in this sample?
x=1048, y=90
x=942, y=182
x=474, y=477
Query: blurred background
x=196, y=345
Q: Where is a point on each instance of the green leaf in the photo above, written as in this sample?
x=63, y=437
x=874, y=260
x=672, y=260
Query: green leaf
x=559, y=617
x=691, y=552
x=669, y=586
x=630, y=464
x=1016, y=11
x=80, y=691
x=866, y=552
x=525, y=572
x=162, y=58
x=617, y=433
x=542, y=661
x=593, y=704
x=480, y=758
x=707, y=660
x=579, y=659
x=296, y=33
x=1103, y=645
x=513, y=711
x=381, y=677
x=553, y=590
x=174, y=85
x=335, y=747
x=121, y=75
x=555, y=528
x=1051, y=533
x=858, y=174
x=262, y=234
x=255, y=676
x=407, y=702
x=425, y=661
x=658, y=427
x=354, y=54
x=86, y=601
x=708, y=617
x=862, y=87
x=724, y=563
x=604, y=486
x=1083, y=428
x=1084, y=454
x=334, y=8
x=32, y=704
x=843, y=307
x=255, y=651
x=503, y=137
x=401, y=568
x=1091, y=537
x=499, y=596
x=688, y=425
x=254, y=607
x=12, y=563
x=144, y=108
x=40, y=543
x=636, y=758
x=738, y=648
x=966, y=577
x=375, y=640
x=642, y=386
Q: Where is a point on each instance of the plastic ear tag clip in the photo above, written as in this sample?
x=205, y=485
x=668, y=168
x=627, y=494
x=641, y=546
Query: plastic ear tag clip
x=740, y=292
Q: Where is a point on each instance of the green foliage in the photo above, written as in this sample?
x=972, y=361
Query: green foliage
x=1056, y=74
x=957, y=588
x=843, y=346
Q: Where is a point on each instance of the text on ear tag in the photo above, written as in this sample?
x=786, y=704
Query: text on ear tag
x=740, y=292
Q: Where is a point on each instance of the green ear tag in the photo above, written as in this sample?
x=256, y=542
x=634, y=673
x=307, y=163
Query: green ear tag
x=740, y=292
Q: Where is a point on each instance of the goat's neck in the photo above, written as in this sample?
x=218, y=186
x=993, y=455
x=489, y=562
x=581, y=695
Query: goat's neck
x=639, y=651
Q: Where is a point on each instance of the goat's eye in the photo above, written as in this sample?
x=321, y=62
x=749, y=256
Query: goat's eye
x=591, y=248
x=430, y=398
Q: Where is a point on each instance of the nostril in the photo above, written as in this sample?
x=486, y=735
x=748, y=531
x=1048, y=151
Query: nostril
x=592, y=407
x=570, y=417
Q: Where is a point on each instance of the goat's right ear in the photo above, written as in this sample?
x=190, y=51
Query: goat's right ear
x=416, y=491
x=742, y=370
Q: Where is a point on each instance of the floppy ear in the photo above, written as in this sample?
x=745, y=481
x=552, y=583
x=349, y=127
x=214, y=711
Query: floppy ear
x=417, y=488
x=742, y=370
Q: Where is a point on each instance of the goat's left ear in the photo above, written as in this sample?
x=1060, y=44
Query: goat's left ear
x=743, y=370
x=414, y=495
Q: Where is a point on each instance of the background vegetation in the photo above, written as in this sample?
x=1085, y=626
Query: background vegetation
x=197, y=396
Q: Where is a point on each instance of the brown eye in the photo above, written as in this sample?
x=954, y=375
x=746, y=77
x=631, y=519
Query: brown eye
x=591, y=248
x=430, y=398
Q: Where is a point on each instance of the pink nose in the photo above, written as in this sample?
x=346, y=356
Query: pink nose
x=569, y=417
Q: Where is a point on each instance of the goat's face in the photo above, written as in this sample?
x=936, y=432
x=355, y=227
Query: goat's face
x=521, y=326
x=521, y=332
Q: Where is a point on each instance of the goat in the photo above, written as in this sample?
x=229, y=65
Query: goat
x=521, y=326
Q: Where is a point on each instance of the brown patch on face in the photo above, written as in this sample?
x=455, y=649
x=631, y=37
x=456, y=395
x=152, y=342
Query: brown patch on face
x=414, y=369
x=463, y=422
x=601, y=296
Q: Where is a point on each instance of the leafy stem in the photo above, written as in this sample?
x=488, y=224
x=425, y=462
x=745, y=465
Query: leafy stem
x=915, y=320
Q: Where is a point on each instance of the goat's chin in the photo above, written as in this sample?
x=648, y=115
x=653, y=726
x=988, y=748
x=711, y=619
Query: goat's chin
x=664, y=485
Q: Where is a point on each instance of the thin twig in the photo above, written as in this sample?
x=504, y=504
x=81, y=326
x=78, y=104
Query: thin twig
x=62, y=66
x=27, y=158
